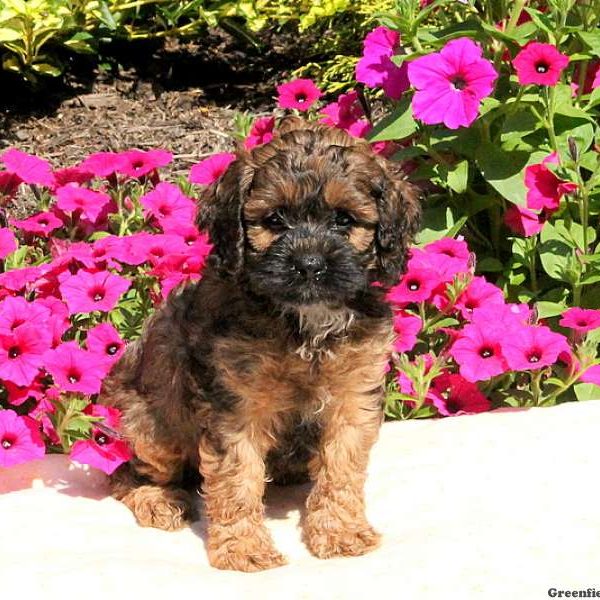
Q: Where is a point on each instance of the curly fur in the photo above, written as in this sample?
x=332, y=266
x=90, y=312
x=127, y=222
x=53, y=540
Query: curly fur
x=269, y=367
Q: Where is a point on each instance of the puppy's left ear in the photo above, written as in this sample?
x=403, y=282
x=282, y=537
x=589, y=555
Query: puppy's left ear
x=399, y=207
x=220, y=214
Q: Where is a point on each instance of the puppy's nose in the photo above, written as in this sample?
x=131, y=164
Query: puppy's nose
x=311, y=266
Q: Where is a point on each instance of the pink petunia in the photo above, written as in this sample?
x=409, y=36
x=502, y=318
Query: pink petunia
x=86, y=291
x=18, y=280
x=345, y=111
x=76, y=370
x=19, y=394
x=451, y=83
x=175, y=269
x=457, y=396
x=73, y=199
x=523, y=221
x=478, y=352
x=261, y=132
x=42, y=223
x=28, y=168
x=20, y=439
x=581, y=320
x=479, y=293
x=8, y=242
x=69, y=175
x=406, y=328
x=9, y=184
x=416, y=285
x=540, y=64
x=511, y=316
x=105, y=340
x=210, y=169
x=591, y=375
x=533, y=347
x=544, y=188
x=446, y=255
x=146, y=247
x=21, y=353
x=58, y=321
x=16, y=311
x=104, y=451
x=300, y=94
x=376, y=68
x=104, y=164
x=142, y=162
x=168, y=204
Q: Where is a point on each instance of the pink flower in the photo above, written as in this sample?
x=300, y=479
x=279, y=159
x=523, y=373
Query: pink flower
x=540, y=64
x=9, y=184
x=592, y=77
x=451, y=83
x=104, y=451
x=20, y=439
x=300, y=94
x=416, y=285
x=406, y=328
x=21, y=353
x=457, y=396
x=523, y=221
x=16, y=311
x=69, y=175
x=58, y=321
x=376, y=68
x=90, y=203
x=29, y=168
x=138, y=163
x=76, y=370
x=8, y=242
x=581, y=320
x=447, y=256
x=167, y=203
x=86, y=291
x=17, y=280
x=261, y=132
x=533, y=347
x=591, y=375
x=478, y=352
x=544, y=188
x=147, y=247
x=342, y=113
x=512, y=316
x=17, y=394
x=42, y=223
x=176, y=269
x=207, y=171
x=104, y=340
x=104, y=164
x=479, y=293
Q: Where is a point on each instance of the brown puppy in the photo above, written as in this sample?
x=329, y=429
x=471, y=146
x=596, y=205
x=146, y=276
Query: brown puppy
x=272, y=366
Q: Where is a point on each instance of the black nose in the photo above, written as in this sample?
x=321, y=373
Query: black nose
x=311, y=266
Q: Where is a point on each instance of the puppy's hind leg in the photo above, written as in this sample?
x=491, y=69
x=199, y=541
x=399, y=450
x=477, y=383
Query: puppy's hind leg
x=148, y=487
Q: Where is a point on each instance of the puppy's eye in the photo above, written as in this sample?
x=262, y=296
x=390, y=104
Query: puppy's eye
x=274, y=221
x=343, y=219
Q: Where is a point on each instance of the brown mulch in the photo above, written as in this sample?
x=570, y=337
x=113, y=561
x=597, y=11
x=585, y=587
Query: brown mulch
x=181, y=97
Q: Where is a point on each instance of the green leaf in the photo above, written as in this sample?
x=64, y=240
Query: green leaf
x=586, y=391
x=504, y=171
x=458, y=177
x=591, y=39
x=489, y=265
x=549, y=309
x=437, y=222
x=557, y=255
x=46, y=69
x=396, y=126
x=9, y=35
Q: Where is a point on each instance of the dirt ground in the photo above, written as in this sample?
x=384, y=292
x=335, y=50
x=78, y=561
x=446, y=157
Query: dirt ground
x=180, y=97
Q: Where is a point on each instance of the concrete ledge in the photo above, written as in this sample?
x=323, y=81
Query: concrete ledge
x=496, y=505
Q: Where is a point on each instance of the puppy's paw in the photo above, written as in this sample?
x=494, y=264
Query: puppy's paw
x=327, y=537
x=164, y=508
x=249, y=552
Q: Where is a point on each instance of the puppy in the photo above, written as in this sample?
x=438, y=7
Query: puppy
x=272, y=366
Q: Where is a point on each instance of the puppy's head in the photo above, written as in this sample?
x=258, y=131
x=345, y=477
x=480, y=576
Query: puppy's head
x=312, y=217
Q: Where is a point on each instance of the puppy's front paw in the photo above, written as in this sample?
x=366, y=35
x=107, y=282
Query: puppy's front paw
x=326, y=536
x=231, y=548
x=161, y=507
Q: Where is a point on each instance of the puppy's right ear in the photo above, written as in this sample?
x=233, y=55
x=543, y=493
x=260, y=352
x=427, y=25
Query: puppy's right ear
x=220, y=214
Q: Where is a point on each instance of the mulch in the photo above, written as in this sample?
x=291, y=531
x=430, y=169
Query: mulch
x=181, y=97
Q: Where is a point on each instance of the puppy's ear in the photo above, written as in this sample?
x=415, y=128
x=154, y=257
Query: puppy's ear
x=220, y=214
x=399, y=207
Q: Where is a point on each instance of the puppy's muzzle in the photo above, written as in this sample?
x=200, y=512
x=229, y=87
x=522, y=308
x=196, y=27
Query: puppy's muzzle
x=311, y=267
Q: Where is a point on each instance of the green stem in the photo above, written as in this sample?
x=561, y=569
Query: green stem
x=550, y=96
x=535, y=386
x=532, y=255
x=514, y=16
